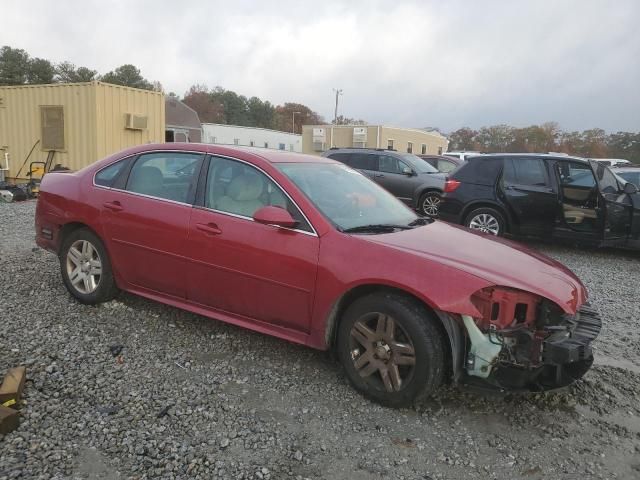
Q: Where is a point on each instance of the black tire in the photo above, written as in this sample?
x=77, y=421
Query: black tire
x=493, y=218
x=417, y=326
x=435, y=199
x=102, y=287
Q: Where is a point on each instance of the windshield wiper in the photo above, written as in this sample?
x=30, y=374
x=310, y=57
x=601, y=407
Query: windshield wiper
x=420, y=221
x=376, y=227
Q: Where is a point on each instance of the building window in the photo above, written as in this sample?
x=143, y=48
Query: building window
x=252, y=143
x=266, y=144
x=439, y=150
x=281, y=146
x=423, y=149
x=409, y=147
x=52, y=127
x=213, y=139
x=236, y=141
x=390, y=144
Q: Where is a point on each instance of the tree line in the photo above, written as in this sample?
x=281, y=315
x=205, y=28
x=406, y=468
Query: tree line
x=548, y=137
x=17, y=67
x=217, y=105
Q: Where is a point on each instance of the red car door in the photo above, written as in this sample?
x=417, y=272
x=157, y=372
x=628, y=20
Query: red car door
x=257, y=271
x=147, y=222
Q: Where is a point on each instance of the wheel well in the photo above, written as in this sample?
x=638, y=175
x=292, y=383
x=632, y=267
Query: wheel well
x=335, y=316
x=469, y=208
x=429, y=190
x=67, y=229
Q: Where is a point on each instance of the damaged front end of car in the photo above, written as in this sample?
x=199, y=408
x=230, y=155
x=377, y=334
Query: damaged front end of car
x=521, y=341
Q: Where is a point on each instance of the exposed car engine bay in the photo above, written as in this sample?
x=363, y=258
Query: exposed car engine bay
x=523, y=341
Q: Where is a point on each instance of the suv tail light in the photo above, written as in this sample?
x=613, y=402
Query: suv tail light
x=451, y=185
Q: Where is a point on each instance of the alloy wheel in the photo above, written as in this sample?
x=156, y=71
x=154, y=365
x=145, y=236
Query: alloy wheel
x=382, y=352
x=430, y=205
x=84, y=266
x=486, y=223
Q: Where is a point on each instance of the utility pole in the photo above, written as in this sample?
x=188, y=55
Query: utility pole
x=293, y=121
x=335, y=114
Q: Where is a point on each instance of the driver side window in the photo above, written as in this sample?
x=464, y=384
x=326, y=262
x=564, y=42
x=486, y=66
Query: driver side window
x=240, y=189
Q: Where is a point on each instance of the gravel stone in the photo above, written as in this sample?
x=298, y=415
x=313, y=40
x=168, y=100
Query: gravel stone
x=240, y=405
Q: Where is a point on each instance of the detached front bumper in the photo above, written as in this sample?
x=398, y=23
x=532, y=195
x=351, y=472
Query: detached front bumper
x=565, y=356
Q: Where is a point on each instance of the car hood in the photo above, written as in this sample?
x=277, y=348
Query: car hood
x=498, y=261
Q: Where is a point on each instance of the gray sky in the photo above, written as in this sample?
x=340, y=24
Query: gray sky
x=408, y=63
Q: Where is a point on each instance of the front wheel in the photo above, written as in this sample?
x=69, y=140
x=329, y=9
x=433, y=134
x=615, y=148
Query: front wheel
x=429, y=204
x=85, y=267
x=391, y=349
x=486, y=220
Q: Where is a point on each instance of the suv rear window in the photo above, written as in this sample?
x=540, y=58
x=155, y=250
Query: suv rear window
x=479, y=170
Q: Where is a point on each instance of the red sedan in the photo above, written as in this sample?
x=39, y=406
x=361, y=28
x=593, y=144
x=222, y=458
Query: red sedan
x=309, y=250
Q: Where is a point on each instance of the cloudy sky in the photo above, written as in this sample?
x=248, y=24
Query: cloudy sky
x=407, y=63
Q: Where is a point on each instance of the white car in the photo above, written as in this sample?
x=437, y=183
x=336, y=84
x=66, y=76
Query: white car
x=613, y=162
x=462, y=155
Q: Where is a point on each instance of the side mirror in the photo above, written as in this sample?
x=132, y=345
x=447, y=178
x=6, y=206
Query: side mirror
x=407, y=171
x=630, y=188
x=274, y=216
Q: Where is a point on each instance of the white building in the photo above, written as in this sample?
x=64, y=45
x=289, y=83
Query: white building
x=250, y=137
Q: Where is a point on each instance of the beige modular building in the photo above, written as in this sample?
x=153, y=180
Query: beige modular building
x=79, y=122
x=318, y=138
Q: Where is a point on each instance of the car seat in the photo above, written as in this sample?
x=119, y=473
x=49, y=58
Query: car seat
x=574, y=215
x=242, y=196
x=147, y=180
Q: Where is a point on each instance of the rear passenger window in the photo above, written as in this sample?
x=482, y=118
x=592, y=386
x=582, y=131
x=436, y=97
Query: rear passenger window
x=525, y=171
x=479, y=171
x=168, y=175
x=107, y=176
x=359, y=161
x=389, y=164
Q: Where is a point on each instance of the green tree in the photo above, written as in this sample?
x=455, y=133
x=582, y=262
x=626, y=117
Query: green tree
x=66, y=72
x=40, y=71
x=14, y=66
x=261, y=114
x=305, y=116
x=497, y=138
x=236, y=109
x=129, y=76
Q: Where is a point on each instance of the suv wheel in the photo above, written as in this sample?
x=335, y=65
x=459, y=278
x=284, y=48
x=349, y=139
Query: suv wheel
x=429, y=203
x=391, y=349
x=85, y=267
x=487, y=220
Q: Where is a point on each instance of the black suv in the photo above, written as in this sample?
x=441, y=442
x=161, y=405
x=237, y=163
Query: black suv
x=544, y=196
x=405, y=175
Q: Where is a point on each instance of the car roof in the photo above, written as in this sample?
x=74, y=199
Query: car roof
x=271, y=156
x=625, y=169
x=548, y=156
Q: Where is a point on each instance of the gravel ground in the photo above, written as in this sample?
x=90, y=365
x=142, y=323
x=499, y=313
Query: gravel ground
x=188, y=397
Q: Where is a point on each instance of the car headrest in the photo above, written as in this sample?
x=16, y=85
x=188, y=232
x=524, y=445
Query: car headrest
x=245, y=187
x=146, y=178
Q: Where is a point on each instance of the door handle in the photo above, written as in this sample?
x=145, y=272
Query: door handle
x=113, y=206
x=378, y=175
x=209, y=228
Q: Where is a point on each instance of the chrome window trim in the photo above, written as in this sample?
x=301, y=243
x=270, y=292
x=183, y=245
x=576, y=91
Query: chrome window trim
x=314, y=233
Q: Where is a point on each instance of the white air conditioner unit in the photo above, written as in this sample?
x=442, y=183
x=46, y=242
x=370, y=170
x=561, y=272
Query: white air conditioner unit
x=360, y=137
x=319, y=139
x=135, y=122
x=319, y=146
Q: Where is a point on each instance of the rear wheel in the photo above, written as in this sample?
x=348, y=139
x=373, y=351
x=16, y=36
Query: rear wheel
x=391, y=349
x=429, y=204
x=487, y=220
x=85, y=267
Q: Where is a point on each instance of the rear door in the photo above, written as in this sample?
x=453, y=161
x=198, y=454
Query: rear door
x=529, y=194
x=147, y=220
x=617, y=205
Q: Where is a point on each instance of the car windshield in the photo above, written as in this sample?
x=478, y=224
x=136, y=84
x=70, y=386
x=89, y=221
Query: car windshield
x=419, y=164
x=346, y=197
